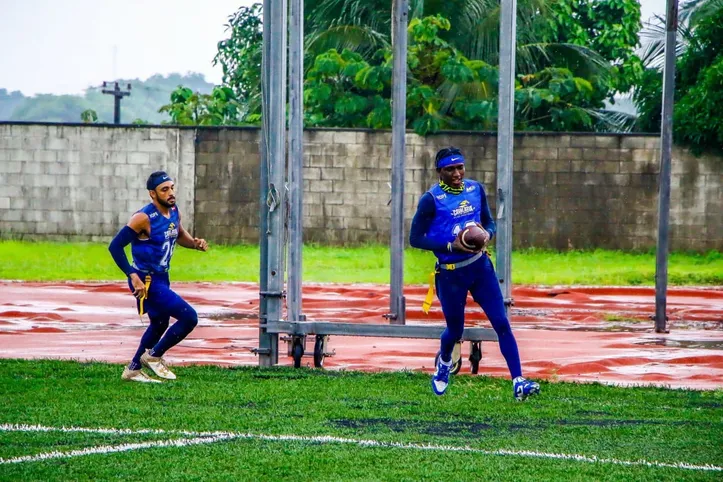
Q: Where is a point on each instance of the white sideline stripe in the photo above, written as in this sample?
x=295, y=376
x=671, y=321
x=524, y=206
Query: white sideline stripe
x=212, y=437
x=107, y=449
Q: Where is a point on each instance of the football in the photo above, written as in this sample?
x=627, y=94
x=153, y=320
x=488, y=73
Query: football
x=473, y=237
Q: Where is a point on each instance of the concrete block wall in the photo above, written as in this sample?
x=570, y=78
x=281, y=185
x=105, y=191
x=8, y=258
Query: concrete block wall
x=84, y=182
x=570, y=190
x=227, y=185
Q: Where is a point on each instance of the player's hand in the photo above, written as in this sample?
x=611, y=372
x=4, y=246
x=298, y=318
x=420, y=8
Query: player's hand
x=487, y=233
x=459, y=248
x=200, y=244
x=139, y=288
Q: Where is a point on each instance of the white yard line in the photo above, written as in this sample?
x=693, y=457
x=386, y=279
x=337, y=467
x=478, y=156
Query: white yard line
x=212, y=437
x=108, y=449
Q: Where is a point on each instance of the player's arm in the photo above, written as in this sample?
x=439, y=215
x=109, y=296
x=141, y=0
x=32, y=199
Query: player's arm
x=138, y=224
x=486, y=220
x=422, y=222
x=188, y=241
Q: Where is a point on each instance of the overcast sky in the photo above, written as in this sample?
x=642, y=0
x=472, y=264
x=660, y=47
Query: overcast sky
x=62, y=47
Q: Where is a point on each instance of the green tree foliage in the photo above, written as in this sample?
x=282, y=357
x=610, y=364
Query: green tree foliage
x=588, y=37
x=697, y=118
x=609, y=28
x=187, y=107
x=144, y=102
x=453, y=56
x=89, y=116
x=446, y=89
x=240, y=57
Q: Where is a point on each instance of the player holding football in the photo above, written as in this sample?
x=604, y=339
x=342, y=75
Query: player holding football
x=443, y=211
x=153, y=233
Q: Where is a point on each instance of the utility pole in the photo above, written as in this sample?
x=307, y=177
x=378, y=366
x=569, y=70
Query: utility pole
x=118, y=93
x=666, y=149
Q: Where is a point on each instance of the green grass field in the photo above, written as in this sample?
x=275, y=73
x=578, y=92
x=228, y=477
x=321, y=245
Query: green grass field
x=285, y=424
x=44, y=261
x=507, y=440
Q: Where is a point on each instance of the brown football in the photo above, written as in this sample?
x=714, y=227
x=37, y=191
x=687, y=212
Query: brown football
x=473, y=237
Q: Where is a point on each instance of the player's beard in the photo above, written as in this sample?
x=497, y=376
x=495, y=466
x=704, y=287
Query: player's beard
x=168, y=204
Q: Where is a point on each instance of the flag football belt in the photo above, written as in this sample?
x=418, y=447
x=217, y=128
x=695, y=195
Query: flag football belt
x=427, y=303
x=461, y=264
x=147, y=283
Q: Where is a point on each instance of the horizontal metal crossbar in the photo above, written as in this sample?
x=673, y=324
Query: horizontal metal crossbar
x=380, y=330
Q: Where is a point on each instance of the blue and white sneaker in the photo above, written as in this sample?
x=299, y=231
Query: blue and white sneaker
x=440, y=380
x=525, y=388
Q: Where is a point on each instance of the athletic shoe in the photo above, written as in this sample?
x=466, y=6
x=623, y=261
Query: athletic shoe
x=137, y=376
x=440, y=380
x=158, y=366
x=525, y=388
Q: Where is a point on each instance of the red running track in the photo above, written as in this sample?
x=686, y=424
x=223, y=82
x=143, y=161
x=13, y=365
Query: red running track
x=570, y=333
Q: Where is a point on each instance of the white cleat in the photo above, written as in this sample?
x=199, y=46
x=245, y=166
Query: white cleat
x=158, y=366
x=137, y=376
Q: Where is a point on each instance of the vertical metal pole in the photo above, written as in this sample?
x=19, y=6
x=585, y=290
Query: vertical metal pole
x=666, y=149
x=265, y=339
x=505, y=143
x=296, y=157
x=273, y=192
x=400, y=15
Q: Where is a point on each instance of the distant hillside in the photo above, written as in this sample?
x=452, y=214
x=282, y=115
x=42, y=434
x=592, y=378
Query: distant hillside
x=147, y=96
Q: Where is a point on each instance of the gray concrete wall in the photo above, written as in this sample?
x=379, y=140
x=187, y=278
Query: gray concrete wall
x=570, y=191
x=84, y=182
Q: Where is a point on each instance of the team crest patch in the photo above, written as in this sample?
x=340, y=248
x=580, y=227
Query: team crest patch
x=463, y=209
x=172, y=231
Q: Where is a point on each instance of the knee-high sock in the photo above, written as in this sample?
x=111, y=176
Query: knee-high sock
x=153, y=333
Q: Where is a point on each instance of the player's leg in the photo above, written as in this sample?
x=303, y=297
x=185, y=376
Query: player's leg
x=156, y=327
x=187, y=319
x=487, y=293
x=172, y=305
x=452, y=294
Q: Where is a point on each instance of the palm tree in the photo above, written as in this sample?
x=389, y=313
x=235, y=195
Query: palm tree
x=365, y=25
x=654, y=33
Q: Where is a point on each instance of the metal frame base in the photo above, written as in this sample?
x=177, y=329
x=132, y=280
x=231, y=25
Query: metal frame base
x=361, y=329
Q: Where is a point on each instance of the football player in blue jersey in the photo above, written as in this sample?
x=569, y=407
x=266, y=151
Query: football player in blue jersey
x=153, y=233
x=443, y=211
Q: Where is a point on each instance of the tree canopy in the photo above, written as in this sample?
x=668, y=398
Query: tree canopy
x=697, y=120
x=562, y=82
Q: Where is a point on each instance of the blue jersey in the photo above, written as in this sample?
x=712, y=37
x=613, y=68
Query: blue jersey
x=453, y=212
x=153, y=255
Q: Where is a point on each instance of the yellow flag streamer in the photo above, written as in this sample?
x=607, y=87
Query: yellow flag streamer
x=427, y=304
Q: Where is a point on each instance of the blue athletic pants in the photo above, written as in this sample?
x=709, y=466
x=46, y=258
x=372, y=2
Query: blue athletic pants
x=162, y=304
x=478, y=278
